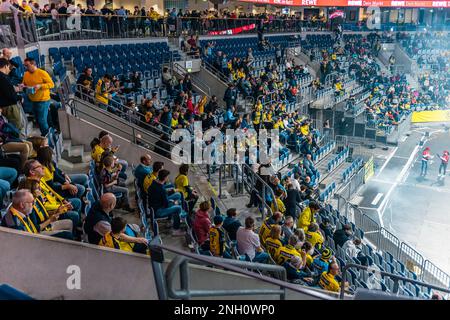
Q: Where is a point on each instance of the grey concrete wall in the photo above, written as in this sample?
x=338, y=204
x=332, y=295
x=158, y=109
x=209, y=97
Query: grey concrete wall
x=402, y=59
x=216, y=86
x=38, y=266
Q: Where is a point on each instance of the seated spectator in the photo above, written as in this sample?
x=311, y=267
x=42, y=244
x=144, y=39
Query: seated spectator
x=231, y=223
x=326, y=228
x=248, y=242
x=287, y=229
x=280, y=204
x=328, y=280
x=321, y=264
x=352, y=247
x=202, y=222
x=287, y=252
x=264, y=230
x=341, y=236
x=18, y=215
x=98, y=221
x=33, y=170
x=109, y=177
x=162, y=205
x=104, y=148
x=309, y=249
x=273, y=242
x=295, y=271
x=217, y=243
x=8, y=177
x=314, y=236
x=65, y=185
x=10, y=140
x=143, y=169
x=48, y=222
x=308, y=215
x=117, y=239
x=148, y=180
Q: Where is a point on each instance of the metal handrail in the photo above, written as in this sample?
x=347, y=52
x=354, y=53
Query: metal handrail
x=219, y=74
x=90, y=95
x=247, y=170
x=396, y=278
x=71, y=103
x=165, y=288
x=379, y=236
x=197, y=82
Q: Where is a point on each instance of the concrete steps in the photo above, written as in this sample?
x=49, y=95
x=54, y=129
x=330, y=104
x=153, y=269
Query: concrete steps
x=74, y=153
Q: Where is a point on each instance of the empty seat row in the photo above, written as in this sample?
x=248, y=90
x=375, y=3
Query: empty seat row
x=339, y=159
x=323, y=151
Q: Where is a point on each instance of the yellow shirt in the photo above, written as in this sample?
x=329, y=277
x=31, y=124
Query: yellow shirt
x=309, y=260
x=281, y=206
x=264, y=232
x=53, y=199
x=48, y=173
x=153, y=15
x=100, y=94
x=181, y=182
x=328, y=282
x=314, y=238
x=286, y=253
x=304, y=129
x=174, y=123
x=110, y=241
x=96, y=154
x=278, y=125
x=148, y=180
x=273, y=247
x=39, y=77
x=306, y=218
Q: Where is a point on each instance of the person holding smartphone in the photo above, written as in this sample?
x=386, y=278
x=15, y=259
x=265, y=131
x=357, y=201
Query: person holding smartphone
x=38, y=84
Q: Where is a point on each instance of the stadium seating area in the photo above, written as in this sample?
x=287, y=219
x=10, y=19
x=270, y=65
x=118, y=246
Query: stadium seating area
x=309, y=164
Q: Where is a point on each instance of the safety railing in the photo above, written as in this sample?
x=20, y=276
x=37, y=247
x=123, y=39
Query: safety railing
x=202, y=86
x=396, y=278
x=137, y=135
x=384, y=241
x=251, y=180
x=165, y=280
x=219, y=74
x=121, y=110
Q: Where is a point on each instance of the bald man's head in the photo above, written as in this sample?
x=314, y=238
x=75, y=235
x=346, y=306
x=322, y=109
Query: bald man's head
x=7, y=53
x=108, y=202
x=106, y=141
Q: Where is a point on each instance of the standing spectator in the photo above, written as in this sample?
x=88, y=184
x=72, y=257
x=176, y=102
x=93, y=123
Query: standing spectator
x=341, y=236
x=248, y=242
x=14, y=74
x=308, y=215
x=230, y=96
x=291, y=201
x=426, y=156
x=231, y=223
x=38, y=84
x=202, y=222
x=8, y=96
x=444, y=162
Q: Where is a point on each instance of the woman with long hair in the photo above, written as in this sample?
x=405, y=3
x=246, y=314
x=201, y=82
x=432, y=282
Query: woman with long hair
x=68, y=186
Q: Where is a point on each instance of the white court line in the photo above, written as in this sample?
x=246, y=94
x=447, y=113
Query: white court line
x=387, y=161
x=377, y=199
x=397, y=181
